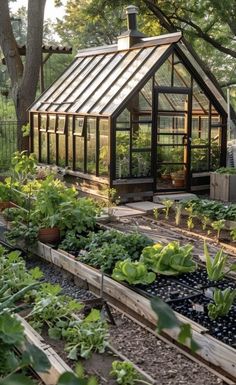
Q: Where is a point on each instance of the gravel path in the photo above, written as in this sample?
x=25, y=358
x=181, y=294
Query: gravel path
x=164, y=363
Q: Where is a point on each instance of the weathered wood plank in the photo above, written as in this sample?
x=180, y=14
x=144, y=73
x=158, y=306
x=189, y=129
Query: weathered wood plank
x=58, y=366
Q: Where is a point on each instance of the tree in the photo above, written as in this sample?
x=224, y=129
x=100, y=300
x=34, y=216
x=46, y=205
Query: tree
x=23, y=76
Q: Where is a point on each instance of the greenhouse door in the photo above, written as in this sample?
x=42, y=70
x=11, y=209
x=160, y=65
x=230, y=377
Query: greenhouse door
x=171, y=138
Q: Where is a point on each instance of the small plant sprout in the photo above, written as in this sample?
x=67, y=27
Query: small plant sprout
x=216, y=267
x=125, y=373
x=205, y=222
x=233, y=234
x=168, y=203
x=112, y=200
x=156, y=214
x=223, y=301
x=218, y=226
x=178, y=212
x=190, y=223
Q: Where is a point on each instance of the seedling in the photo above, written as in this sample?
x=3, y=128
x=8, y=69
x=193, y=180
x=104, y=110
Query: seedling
x=205, y=222
x=216, y=267
x=223, y=301
x=168, y=203
x=233, y=234
x=218, y=226
x=178, y=212
x=156, y=214
x=125, y=373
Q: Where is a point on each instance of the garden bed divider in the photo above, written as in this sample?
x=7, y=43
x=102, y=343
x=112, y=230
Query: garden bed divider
x=217, y=354
x=58, y=366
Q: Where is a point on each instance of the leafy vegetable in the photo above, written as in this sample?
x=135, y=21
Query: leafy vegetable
x=168, y=203
x=125, y=373
x=223, y=301
x=172, y=259
x=226, y=170
x=218, y=226
x=133, y=272
x=216, y=267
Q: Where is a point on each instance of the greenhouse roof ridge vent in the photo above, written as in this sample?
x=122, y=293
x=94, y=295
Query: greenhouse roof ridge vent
x=132, y=36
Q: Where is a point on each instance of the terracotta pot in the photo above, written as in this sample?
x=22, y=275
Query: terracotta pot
x=49, y=235
x=6, y=205
x=178, y=182
x=166, y=177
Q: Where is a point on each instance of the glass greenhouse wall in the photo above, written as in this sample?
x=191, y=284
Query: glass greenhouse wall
x=141, y=120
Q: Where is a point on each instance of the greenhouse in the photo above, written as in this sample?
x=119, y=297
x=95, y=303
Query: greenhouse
x=141, y=116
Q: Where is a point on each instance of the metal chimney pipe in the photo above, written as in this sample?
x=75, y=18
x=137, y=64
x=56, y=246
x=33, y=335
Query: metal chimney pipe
x=131, y=12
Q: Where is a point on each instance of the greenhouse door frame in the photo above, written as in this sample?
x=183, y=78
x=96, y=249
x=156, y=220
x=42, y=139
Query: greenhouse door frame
x=187, y=135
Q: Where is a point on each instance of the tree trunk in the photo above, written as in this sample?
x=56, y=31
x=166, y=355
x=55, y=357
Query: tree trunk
x=24, y=80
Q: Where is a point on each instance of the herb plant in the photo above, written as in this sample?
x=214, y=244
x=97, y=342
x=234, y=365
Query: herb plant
x=171, y=259
x=156, y=214
x=233, y=234
x=205, y=222
x=223, y=301
x=226, y=170
x=133, y=272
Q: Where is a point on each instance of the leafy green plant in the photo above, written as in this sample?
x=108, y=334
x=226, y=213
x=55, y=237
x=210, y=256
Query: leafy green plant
x=5, y=192
x=133, y=272
x=11, y=337
x=23, y=166
x=226, y=170
x=233, y=234
x=218, y=226
x=85, y=336
x=223, y=301
x=168, y=203
x=50, y=306
x=166, y=319
x=205, y=222
x=77, y=378
x=171, y=259
x=216, y=267
x=190, y=223
x=105, y=257
x=125, y=373
x=73, y=243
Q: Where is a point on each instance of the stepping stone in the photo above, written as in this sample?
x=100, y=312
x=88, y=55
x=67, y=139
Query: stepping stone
x=145, y=206
x=174, y=197
x=122, y=211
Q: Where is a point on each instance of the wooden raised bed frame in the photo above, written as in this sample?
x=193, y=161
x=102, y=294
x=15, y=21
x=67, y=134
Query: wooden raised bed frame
x=216, y=354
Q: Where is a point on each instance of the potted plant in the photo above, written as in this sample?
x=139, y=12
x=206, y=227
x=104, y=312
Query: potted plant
x=178, y=178
x=165, y=173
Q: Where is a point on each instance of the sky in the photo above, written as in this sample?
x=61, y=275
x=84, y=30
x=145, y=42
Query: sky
x=51, y=12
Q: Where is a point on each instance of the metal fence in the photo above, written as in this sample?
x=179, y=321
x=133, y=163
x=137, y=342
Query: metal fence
x=8, y=143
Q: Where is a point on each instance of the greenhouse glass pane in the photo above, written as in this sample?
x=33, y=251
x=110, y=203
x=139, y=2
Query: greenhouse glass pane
x=103, y=147
x=91, y=145
x=70, y=141
x=163, y=74
x=200, y=159
x=123, y=120
x=122, y=154
x=36, y=142
x=79, y=153
x=43, y=150
x=141, y=135
x=52, y=148
x=61, y=150
x=51, y=123
x=172, y=154
x=141, y=164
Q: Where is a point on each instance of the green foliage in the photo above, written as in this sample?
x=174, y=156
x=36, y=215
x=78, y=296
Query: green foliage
x=124, y=373
x=105, y=257
x=205, y=221
x=73, y=243
x=233, y=234
x=223, y=301
x=216, y=267
x=168, y=203
x=226, y=170
x=85, y=336
x=212, y=209
x=133, y=272
x=50, y=306
x=171, y=259
x=218, y=226
x=5, y=192
x=166, y=319
x=23, y=166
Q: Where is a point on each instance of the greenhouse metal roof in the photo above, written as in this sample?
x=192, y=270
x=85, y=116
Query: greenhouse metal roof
x=100, y=80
